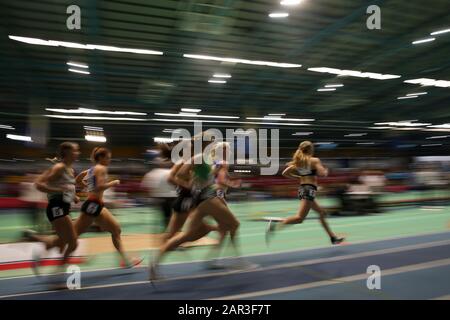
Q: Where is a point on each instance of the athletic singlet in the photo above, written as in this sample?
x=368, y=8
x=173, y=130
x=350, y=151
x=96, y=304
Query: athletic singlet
x=306, y=172
x=66, y=180
x=91, y=181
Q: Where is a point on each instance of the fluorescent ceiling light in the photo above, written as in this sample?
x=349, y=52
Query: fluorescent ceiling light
x=54, y=43
x=93, y=128
x=403, y=124
x=429, y=82
x=352, y=73
x=221, y=75
x=79, y=71
x=324, y=143
x=365, y=143
x=423, y=40
x=441, y=126
x=193, y=115
x=95, y=138
x=356, y=135
x=191, y=110
x=277, y=114
x=279, y=118
x=290, y=2
x=228, y=121
x=383, y=128
x=77, y=64
x=417, y=94
x=94, y=111
x=302, y=133
x=407, y=97
x=279, y=15
x=334, y=85
x=163, y=140
x=216, y=81
x=440, y=32
x=2, y=126
x=93, y=118
x=432, y=145
x=437, y=137
x=243, y=61
x=320, y=90
x=18, y=137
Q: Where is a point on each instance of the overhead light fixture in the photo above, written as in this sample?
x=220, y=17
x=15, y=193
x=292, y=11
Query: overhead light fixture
x=163, y=140
x=77, y=64
x=417, y=94
x=429, y=82
x=94, y=111
x=403, y=124
x=7, y=127
x=221, y=75
x=92, y=118
x=437, y=137
x=277, y=114
x=243, y=61
x=380, y=128
x=441, y=126
x=279, y=118
x=79, y=71
x=54, y=43
x=439, y=32
x=407, y=97
x=88, y=128
x=365, y=143
x=190, y=115
x=229, y=121
x=290, y=2
x=302, y=133
x=279, y=15
x=191, y=110
x=423, y=40
x=19, y=138
x=321, y=90
x=334, y=85
x=324, y=143
x=217, y=81
x=95, y=138
x=353, y=73
x=432, y=145
x=356, y=135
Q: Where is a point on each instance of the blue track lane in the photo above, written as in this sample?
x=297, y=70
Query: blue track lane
x=280, y=270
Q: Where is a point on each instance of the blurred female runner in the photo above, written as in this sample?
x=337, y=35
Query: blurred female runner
x=183, y=203
x=96, y=181
x=220, y=155
x=306, y=168
x=205, y=203
x=59, y=184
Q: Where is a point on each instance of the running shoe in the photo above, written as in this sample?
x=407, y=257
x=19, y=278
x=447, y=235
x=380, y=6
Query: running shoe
x=270, y=231
x=29, y=235
x=336, y=240
x=153, y=273
x=214, y=265
x=131, y=264
x=36, y=262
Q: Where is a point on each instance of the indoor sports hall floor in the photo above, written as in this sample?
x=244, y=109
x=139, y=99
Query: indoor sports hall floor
x=411, y=245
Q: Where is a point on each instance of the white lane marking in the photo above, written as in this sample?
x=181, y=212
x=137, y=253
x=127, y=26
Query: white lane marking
x=279, y=266
x=257, y=254
x=387, y=272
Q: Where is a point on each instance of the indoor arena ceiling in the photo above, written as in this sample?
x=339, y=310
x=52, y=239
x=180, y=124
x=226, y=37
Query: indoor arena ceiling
x=234, y=38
